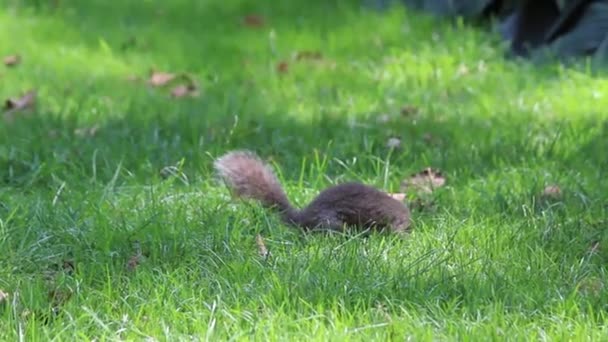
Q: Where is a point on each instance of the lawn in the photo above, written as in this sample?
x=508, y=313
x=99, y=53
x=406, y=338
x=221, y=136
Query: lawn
x=113, y=225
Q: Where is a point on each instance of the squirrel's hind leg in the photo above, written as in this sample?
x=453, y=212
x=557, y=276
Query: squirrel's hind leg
x=328, y=221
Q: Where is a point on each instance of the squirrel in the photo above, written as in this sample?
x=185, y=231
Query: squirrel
x=347, y=205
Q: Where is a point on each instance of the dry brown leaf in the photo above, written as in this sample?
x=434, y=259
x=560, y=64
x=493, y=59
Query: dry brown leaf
x=398, y=196
x=424, y=181
x=68, y=266
x=133, y=262
x=180, y=91
x=87, y=131
x=308, y=55
x=12, y=60
x=19, y=103
x=393, y=143
x=408, y=110
x=283, y=67
x=26, y=314
x=183, y=90
x=259, y=241
x=254, y=21
x=13, y=105
x=552, y=191
x=159, y=78
x=3, y=297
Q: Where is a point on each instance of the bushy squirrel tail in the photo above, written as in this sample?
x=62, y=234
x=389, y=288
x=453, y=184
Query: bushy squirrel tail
x=248, y=176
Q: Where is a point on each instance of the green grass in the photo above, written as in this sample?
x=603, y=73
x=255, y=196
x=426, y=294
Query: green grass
x=491, y=259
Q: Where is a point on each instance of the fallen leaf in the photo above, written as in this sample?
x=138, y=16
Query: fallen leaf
x=183, y=90
x=595, y=247
x=382, y=308
x=26, y=100
x=87, y=132
x=552, y=192
x=431, y=140
x=393, y=143
x=462, y=70
x=398, y=196
x=26, y=314
x=12, y=60
x=303, y=55
x=409, y=110
x=68, y=266
x=590, y=286
x=3, y=297
x=424, y=181
x=259, y=241
x=179, y=91
x=13, y=105
x=133, y=262
x=283, y=67
x=159, y=78
x=253, y=20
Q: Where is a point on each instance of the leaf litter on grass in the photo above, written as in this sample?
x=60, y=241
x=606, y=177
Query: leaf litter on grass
x=313, y=57
x=184, y=84
x=254, y=21
x=308, y=55
x=3, y=297
x=283, y=67
x=86, y=131
x=552, y=192
x=12, y=60
x=425, y=181
x=409, y=110
x=423, y=184
x=185, y=90
x=160, y=78
x=262, y=249
x=18, y=104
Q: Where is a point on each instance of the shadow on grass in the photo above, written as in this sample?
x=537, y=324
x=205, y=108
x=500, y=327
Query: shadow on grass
x=150, y=132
